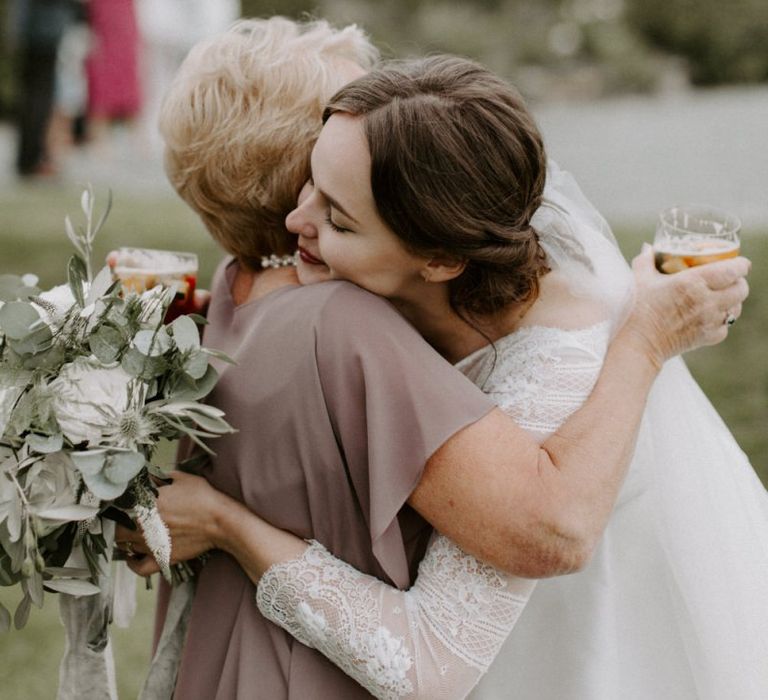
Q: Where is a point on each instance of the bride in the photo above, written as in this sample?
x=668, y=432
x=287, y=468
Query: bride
x=655, y=613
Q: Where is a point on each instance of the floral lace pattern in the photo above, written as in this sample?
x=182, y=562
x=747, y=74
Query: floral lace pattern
x=398, y=644
x=540, y=375
x=438, y=638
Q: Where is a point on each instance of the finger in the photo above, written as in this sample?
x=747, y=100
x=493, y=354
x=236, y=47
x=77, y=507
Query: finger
x=122, y=533
x=722, y=273
x=143, y=567
x=161, y=480
x=643, y=262
x=732, y=296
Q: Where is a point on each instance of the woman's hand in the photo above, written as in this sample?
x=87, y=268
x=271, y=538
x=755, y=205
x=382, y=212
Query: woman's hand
x=680, y=312
x=200, y=518
x=190, y=507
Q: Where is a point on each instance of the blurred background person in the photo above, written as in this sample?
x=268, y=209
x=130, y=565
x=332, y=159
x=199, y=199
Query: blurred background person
x=39, y=27
x=68, y=120
x=169, y=28
x=114, y=94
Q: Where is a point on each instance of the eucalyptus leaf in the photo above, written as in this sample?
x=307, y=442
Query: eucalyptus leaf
x=34, y=586
x=16, y=552
x=45, y=444
x=141, y=366
x=77, y=275
x=219, y=356
x=34, y=343
x=72, y=586
x=212, y=424
x=123, y=466
x=46, y=359
x=5, y=618
x=152, y=343
x=106, y=344
x=23, y=415
x=89, y=461
x=18, y=319
x=12, y=385
x=190, y=389
x=72, y=235
x=100, y=285
x=86, y=203
x=21, y=615
x=69, y=513
x=104, y=216
x=185, y=334
x=103, y=488
x=196, y=365
x=134, y=363
x=14, y=522
x=198, y=319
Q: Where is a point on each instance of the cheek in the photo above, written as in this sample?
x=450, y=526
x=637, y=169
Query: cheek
x=334, y=252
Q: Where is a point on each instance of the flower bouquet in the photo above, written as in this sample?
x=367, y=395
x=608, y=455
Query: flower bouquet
x=91, y=380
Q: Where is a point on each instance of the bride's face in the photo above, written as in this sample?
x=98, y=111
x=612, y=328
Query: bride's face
x=337, y=210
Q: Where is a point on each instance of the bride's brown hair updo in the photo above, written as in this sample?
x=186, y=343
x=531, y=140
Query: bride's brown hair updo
x=457, y=169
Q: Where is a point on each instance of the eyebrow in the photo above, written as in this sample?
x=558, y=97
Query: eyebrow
x=338, y=206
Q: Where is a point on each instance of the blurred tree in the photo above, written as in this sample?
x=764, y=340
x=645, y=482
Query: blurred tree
x=722, y=41
x=267, y=8
x=6, y=61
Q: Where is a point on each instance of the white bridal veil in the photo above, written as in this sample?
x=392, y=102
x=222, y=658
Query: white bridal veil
x=676, y=596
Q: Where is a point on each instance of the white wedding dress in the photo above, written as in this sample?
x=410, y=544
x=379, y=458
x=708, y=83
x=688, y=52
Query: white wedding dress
x=674, y=603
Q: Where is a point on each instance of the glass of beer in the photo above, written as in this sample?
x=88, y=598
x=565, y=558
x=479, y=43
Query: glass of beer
x=693, y=234
x=140, y=269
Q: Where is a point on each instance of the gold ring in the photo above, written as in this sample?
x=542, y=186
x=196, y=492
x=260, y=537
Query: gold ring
x=127, y=547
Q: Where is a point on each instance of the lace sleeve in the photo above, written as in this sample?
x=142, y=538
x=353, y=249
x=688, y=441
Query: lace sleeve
x=434, y=640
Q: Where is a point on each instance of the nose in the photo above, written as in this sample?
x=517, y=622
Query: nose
x=299, y=221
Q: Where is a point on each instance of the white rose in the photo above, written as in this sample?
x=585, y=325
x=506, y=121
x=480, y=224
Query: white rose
x=52, y=485
x=87, y=396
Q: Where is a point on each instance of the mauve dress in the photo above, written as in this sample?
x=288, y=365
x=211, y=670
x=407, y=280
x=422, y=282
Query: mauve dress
x=339, y=403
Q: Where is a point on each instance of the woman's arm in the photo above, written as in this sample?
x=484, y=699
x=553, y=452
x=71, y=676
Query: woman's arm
x=527, y=509
x=539, y=510
x=435, y=640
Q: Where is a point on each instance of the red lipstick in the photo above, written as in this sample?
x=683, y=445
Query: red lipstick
x=308, y=258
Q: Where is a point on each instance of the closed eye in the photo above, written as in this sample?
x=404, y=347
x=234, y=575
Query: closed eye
x=334, y=226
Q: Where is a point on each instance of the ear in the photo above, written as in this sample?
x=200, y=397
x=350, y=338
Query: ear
x=442, y=269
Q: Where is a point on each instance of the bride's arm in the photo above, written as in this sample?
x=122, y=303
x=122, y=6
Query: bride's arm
x=435, y=640
x=537, y=510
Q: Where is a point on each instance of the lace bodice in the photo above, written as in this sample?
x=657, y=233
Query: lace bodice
x=540, y=375
x=439, y=637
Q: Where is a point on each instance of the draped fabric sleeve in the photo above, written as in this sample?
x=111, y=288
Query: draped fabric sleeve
x=393, y=401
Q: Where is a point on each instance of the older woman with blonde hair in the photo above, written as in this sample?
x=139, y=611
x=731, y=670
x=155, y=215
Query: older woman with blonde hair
x=355, y=433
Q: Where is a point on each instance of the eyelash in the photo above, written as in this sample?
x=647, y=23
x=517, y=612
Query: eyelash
x=336, y=228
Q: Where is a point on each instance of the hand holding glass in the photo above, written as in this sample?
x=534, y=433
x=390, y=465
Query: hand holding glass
x=691, y=235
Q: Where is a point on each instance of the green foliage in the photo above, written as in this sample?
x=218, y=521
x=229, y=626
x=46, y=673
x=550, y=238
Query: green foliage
x=722, y=41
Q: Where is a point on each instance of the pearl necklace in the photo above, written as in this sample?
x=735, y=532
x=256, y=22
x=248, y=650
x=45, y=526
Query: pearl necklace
x=277, y=261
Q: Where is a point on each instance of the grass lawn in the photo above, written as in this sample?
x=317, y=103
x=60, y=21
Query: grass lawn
x=734, y=375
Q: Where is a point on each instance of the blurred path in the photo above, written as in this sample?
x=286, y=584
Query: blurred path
x=123, y=164
x=633, y=156
x=637, y=155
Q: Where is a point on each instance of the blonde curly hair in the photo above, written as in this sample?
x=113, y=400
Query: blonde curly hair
x=240, y=120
